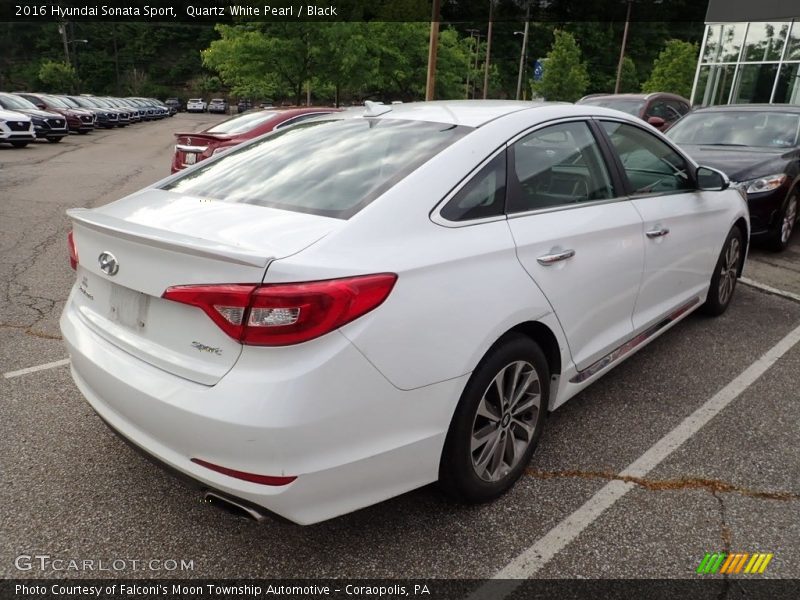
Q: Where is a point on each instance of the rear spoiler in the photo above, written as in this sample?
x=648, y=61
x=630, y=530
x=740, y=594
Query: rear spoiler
x=205, y=136
x=159, y=238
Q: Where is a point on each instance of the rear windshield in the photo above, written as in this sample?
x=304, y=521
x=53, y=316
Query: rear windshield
x=331, y=168
x=243, y=122
x=627, y=105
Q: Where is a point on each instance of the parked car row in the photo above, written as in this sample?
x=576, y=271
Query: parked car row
x=27, y=116
x=756, y=145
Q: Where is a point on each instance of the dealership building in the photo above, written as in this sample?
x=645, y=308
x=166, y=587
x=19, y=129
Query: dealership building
x=750, y=53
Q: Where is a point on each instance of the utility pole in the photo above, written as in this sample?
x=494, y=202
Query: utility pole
x=524, y=50
x=622, y=50
x=432, y=47
x=471, y=33
x=488, y=51
x=62, y=29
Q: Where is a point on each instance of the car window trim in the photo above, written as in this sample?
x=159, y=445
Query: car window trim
x=611, y=170
x=627, y=187
x=436, y=212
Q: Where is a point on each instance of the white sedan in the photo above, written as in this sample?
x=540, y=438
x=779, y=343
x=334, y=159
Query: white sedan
x=345, y=310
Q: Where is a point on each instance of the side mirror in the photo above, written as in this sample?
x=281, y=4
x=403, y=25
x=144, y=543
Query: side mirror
x=709, y=179
x=40, y=105
x=656, y=122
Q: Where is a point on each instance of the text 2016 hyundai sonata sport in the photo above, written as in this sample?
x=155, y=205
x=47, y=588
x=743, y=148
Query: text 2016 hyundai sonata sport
x=345, y=310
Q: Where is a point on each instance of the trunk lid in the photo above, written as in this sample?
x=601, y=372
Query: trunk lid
x=158, y=239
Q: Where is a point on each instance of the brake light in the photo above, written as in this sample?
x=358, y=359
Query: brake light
x=73, y=251
x=286, y=313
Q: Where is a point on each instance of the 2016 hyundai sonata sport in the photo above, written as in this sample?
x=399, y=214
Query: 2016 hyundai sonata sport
x=345, y=310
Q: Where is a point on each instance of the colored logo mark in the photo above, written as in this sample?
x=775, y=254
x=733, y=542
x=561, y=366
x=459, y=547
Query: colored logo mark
x=735, y=563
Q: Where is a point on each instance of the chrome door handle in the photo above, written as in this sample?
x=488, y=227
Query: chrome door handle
x=549, y=259
x=656, y=233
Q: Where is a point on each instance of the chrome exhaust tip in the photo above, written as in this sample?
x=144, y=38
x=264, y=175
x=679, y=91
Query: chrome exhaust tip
x=234, y=507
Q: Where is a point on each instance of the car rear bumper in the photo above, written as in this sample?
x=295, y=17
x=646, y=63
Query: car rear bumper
x=318, y=411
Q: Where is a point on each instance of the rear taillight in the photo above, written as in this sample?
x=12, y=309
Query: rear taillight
x=286, y=313
x=73, y=251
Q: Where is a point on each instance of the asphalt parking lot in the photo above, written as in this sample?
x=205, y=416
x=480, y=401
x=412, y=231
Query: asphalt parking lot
x=623, y=484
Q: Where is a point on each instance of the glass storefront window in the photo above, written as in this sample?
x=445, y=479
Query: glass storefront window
x=765, y=41
x=754, y=83
x=723, y=42
x=793, y=51
x=714, y=84
x=788, y=90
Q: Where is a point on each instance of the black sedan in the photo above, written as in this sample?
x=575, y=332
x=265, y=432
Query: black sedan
x=758, y=146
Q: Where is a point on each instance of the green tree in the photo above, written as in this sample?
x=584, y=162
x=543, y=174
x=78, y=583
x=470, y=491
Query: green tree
x=673, y=70
x=628, y=81
x=57, y=76
x=565, y=77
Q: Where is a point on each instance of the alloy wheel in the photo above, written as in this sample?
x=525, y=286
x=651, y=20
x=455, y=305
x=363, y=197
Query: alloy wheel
x=789, y=219
x=729, y=270
x=505, y=421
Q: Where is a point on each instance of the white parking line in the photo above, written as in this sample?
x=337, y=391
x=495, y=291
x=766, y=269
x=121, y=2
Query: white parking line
x=532, y=560
x=45, y=366
x=770, y=289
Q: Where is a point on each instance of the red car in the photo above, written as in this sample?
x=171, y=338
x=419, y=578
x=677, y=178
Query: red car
x=660, y=109
x=78, y=120
x=191, y=148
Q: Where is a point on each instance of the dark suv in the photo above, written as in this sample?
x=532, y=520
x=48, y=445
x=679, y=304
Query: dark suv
x=174, y=105
x=660, y=109
x=48, y=125
x=79, y=120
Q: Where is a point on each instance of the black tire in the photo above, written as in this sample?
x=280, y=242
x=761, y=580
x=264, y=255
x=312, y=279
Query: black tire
x=787, y=221
x=83, y=131
x=19, y=144
x=54, y=140
x=726, y=273
x=459, y=467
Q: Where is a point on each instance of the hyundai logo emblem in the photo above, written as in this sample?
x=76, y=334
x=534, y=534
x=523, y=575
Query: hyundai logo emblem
x=108, y=263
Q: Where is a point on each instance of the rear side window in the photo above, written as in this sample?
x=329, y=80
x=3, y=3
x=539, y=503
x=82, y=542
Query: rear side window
x=483, y=196
x=331, y=168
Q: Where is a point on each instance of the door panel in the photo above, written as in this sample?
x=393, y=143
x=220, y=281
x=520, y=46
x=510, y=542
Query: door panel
x=593, y=293
x=581, y=246
x=678, y=221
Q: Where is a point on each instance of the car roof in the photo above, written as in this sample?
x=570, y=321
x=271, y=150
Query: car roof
x=792, y=108
x=632, y=96
x=472, y=113
x=476, y=113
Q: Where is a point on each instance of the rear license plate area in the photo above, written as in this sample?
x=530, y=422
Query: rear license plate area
x=128, y=307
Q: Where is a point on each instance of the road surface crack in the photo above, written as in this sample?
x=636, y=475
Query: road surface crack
x=714, y=486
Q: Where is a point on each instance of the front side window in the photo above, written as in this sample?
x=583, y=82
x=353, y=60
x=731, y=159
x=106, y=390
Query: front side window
x=483, y=196
x=652, y=167
x=331, y=168
x=557, y=165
